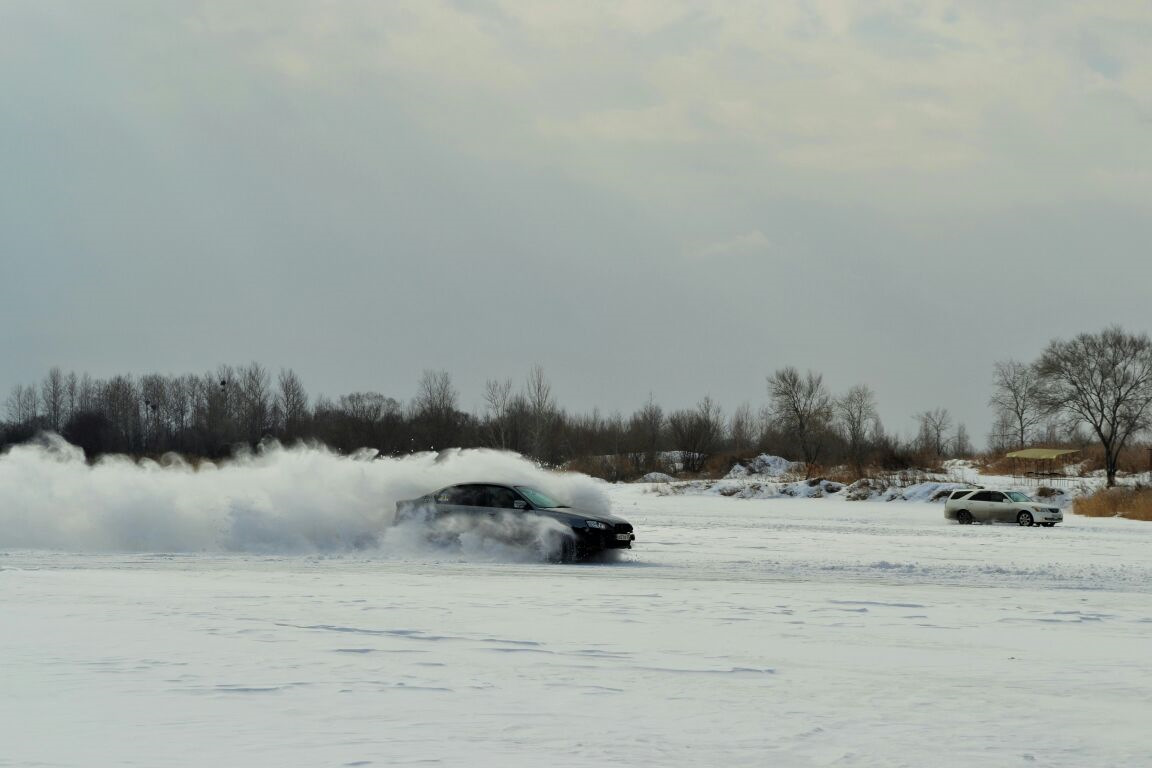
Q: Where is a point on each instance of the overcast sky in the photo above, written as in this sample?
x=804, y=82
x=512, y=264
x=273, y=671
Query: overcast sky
x=662, y=197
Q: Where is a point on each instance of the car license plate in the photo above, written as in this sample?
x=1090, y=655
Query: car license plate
x=623, y=537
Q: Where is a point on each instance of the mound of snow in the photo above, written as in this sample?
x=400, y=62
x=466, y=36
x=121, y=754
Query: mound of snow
x=657, y=477
x=763, y=465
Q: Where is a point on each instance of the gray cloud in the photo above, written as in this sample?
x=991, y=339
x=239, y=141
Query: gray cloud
x=366, y=190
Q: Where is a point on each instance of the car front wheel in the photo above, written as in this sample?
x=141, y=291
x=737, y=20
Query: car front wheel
x=561, y=549
x=1024, y=518
x=964, y=517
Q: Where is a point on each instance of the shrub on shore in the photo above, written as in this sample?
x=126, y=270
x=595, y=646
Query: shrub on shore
x=1132, y=503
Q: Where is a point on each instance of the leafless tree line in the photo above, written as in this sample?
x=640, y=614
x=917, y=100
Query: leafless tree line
x=210, y=414
x=1096, y=382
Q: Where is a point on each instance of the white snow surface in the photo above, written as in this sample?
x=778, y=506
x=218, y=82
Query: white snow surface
x=738, y=632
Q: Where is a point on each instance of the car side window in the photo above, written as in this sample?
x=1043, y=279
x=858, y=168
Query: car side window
x=501, y=498
x=459, y=495
x=981, y=496
x=997, y=496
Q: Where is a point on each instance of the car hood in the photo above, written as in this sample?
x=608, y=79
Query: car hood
x=565, y=514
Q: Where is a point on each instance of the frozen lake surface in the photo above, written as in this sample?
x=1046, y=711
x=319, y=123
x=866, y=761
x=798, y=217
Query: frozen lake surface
x=783, y=632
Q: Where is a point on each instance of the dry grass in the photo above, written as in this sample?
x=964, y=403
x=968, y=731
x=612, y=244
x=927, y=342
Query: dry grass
x=1132, y=503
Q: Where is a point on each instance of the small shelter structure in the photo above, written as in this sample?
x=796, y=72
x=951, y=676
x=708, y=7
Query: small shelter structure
x=1040, y=464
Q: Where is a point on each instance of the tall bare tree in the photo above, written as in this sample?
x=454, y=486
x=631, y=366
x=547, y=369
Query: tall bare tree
x=254, y=402
x=498, y=401
x=541, y=411
x=1105, y=381
x=859, y=420
x=23, y=405
x=292, y=403
x=932, y=436
x=645, y=435
x=1018, y=397
x=801, y=408
x=435, y=408
x=742, y=428
x=697, y=433
x=53, y=392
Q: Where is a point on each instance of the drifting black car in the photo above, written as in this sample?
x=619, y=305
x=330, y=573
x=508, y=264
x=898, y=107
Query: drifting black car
x=578, y=536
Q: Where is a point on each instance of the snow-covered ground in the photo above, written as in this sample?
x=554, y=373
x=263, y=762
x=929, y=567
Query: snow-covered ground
x=777, y=631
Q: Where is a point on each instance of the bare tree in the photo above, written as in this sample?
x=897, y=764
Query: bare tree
x=697, y=433
x=434, y=407
x=932, y=436
x=541, y=410
x=1018, y=396
x=71, y=395
x=292, y=403
x=858, y=420
x=1105, y=381
x=52, y=397
x=254, y=402
x=498, y=400
x=86, y=394
x=742, y=428
x=961, y=443
x=645, y=435
x=23, y=405
x=121, y=404
x=153, y=425
x=801, y=408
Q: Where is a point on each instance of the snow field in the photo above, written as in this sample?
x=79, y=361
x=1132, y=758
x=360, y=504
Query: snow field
x=789, y=632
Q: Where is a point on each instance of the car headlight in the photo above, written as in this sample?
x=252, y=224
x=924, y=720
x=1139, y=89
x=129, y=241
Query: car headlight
x=596, y=524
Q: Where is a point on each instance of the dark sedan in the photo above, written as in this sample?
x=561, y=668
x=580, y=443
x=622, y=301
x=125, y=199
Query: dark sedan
x=578, y=536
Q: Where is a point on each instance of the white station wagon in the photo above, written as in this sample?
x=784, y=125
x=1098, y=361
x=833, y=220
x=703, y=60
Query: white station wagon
x=981, y=505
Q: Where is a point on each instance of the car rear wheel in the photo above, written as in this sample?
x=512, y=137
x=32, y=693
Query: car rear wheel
x=1024, y=518
x=964, y=517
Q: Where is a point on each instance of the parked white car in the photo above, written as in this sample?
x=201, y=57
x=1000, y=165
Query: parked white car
x=983, y=505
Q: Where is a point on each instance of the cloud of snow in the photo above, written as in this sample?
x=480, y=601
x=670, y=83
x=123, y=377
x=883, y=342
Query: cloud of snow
x=300, y=499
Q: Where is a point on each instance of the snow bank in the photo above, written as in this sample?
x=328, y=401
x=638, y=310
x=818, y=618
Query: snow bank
x=763, y=465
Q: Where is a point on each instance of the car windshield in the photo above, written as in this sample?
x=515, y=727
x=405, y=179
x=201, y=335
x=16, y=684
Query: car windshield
x=538, y=498
x=1017, y=496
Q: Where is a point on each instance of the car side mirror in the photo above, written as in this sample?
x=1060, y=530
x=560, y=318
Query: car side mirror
x=519, y=504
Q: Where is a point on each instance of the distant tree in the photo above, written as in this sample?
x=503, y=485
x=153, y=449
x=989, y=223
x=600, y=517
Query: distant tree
x=1018, y=398
x=1103, y=380
x=498, y=401
x=122, y=405
x=645, y=436
x=154, y=424
x=932, y=436
x=742, y=428
x=90, y=431
x=364, y=420
x=292, y=405
x=858, y=419
x=254, y=403
x=541, y=412
x=52, y=396
x=23, y=405
x=696, y=434
x=71, y=395
x=961, y=443
x=435, y=410
x=801, y=408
